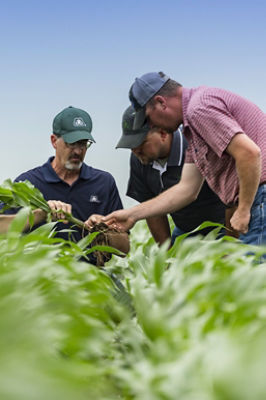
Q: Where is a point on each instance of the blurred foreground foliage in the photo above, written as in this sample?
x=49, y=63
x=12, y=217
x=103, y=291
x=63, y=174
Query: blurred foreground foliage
x=195, y=328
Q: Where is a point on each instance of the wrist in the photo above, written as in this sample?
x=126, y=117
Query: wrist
x=39, y=215
x=243, y=208
x=133, y=215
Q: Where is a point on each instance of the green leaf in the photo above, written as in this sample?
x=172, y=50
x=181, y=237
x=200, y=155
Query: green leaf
x=87, y=240
x=19, y=222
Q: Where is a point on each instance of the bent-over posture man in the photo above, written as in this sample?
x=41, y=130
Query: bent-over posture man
x=67, y=178
x=156, y=164
x=227, y=147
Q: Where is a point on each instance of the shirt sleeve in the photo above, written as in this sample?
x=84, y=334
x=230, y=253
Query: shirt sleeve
x=188, y=156
x=137, y=188
x=212, y=120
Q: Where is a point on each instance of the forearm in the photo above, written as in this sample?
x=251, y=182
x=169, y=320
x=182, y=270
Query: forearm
x=5, y=220
x=173, y=199
x=249, y=172
x=247, y=157
x=159, y=228
x=57, y=207
x=39, y=216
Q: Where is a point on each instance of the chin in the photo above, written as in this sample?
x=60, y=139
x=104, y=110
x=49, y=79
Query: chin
x=145, y=162
x=171, y=127
x=73, y=166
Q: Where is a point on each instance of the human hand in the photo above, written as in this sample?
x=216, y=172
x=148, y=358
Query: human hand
x=240, y=220
x=59, y=208
x=120, y=220
x=93, y=220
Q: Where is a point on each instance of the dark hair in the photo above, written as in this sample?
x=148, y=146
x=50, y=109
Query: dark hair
x=167, y=90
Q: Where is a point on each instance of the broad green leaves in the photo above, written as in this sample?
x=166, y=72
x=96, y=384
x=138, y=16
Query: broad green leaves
x=22, y=194
x=186, y=323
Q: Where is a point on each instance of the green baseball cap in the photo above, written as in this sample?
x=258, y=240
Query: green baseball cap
x=131, y=138
x=73, y=125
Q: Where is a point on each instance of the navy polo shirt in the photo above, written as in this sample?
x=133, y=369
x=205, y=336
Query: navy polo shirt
x=146, y=182
x=94, y=192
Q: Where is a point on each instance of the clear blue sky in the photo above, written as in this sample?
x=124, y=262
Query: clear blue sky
x=87, y=54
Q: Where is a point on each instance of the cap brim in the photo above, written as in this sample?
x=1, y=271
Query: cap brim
x=140, y=118
x=75, y=136
x=131, y=141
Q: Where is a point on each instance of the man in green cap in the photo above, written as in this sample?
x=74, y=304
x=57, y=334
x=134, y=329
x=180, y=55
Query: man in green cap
x=156, y=163
x=66, y=178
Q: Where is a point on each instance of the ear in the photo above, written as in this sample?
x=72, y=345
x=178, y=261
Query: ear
x=161, y=101
x=53, y=140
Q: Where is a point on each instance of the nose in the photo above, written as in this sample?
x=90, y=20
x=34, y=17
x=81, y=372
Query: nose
x=78, y=149
x=77, y=152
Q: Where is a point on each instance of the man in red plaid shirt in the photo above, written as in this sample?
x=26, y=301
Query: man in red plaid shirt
x=227, y=148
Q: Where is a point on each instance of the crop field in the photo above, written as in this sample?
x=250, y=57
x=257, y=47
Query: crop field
x=187, y=323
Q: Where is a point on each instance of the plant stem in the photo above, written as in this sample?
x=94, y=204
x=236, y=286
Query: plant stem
x=76, y=221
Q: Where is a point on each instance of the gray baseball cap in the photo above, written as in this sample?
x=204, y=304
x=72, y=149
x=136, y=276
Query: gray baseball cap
x=142, y=90
x=131, y=138
x=73, y=124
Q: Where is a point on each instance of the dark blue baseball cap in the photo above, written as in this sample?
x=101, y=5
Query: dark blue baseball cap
x=142, y=90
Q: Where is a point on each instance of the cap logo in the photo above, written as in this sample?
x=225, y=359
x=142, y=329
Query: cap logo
x=78, y=122
x=126, y=125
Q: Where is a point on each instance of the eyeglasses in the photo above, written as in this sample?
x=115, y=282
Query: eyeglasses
x=81, y=144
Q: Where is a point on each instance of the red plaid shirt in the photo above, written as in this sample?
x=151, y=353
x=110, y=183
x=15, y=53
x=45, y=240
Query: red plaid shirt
x=211, y=118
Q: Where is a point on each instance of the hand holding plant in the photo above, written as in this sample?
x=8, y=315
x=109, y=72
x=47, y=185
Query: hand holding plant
x=60, y=210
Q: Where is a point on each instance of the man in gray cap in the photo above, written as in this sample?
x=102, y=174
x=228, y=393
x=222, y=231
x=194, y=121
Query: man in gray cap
x=226, y=135
x=66, y=178
x=156, y=164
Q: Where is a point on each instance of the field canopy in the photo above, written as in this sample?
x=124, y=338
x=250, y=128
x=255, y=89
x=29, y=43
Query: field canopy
x=186, y=323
